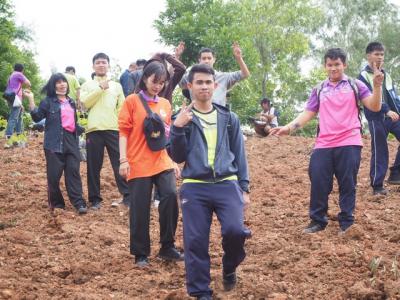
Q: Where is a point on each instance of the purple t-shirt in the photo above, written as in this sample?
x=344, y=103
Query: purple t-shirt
x=15, y=83
x=338, y=113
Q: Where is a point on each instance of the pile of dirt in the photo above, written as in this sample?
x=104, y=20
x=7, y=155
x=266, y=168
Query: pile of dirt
x=66, y=256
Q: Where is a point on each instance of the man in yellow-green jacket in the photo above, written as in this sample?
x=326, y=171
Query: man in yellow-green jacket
x=103, y=99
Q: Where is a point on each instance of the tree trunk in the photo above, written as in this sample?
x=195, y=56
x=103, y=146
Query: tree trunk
x=264, y=85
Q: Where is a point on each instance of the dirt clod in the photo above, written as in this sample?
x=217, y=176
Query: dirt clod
x=60, y=255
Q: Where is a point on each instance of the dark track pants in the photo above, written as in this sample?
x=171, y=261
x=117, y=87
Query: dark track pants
x=380, y=130
x=67, y=162
x=139, y=212
x=343, y=162
x=96, y=141
x=199, y=201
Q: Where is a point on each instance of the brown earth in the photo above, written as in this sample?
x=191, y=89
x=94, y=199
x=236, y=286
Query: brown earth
x=66, y=256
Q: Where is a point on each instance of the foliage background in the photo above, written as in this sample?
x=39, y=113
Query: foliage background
x=282, y=41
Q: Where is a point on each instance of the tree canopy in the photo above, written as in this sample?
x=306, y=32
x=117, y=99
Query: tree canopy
x=280, y=40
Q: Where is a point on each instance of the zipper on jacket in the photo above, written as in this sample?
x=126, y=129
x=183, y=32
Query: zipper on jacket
x=205, y=142
x=219, y=148
x=62, y=132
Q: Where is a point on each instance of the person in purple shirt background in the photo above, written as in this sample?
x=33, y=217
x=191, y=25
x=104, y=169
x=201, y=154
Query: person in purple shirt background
x=16, y=81
x=338, y=145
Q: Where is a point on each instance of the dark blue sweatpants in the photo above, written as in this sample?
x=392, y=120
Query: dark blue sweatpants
x=199, y=201
x=343, y=163
x=380, y=130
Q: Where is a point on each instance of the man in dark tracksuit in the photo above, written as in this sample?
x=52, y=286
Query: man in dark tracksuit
x=382, y=123
x=207, y=137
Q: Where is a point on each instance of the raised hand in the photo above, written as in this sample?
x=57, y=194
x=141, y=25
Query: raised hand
x=237, y=52
x=179, y=49
x=185, y=115
x=378, y=75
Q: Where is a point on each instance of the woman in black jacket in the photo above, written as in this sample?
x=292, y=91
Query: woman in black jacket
x=61, y=145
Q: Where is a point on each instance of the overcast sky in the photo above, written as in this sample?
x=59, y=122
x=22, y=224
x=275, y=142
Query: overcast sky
x=71, y=32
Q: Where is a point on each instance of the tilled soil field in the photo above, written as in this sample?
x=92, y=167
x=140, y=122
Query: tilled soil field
x=66, y=256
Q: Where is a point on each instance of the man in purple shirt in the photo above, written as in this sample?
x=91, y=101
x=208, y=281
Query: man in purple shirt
x=15, y=83
x=337, y=150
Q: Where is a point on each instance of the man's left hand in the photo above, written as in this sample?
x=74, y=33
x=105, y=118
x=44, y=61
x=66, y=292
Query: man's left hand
x=393, y=115
x=177, y=171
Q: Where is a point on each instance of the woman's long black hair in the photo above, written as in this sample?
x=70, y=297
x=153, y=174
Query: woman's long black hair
x=50, y=88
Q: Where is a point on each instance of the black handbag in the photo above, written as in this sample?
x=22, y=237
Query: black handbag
x=153, y=128
x=9, y=96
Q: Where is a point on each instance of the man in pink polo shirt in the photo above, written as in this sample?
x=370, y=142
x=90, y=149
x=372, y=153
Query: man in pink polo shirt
x=337, y=149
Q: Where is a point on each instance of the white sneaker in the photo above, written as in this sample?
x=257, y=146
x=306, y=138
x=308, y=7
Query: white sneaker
x=116, y=203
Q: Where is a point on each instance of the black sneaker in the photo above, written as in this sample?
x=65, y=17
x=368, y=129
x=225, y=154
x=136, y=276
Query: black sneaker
x=96, y=205
x=82, y=210
x=342, y=231
x=117, y=203
x=126, y=202
x=380, y=191
x=141, y=261
x=59, y=206
x=394, y=177
x=171, y=254
x=313, y=227
x=247, y=233
x=204, y=297
x=229, y=281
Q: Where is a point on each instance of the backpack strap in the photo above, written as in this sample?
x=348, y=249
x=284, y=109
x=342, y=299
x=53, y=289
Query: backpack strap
x=357, y=97
x=318, y=89
x=356, y=91
x=145, y=105
x=230, y=129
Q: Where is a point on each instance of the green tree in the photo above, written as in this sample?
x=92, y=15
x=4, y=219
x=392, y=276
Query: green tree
x=115, y=69
x=202, y=23
x=351, y=25
x=207, y=23
x=280, y=33
x=14, y=48
x=277, y=38
x=274, y=37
